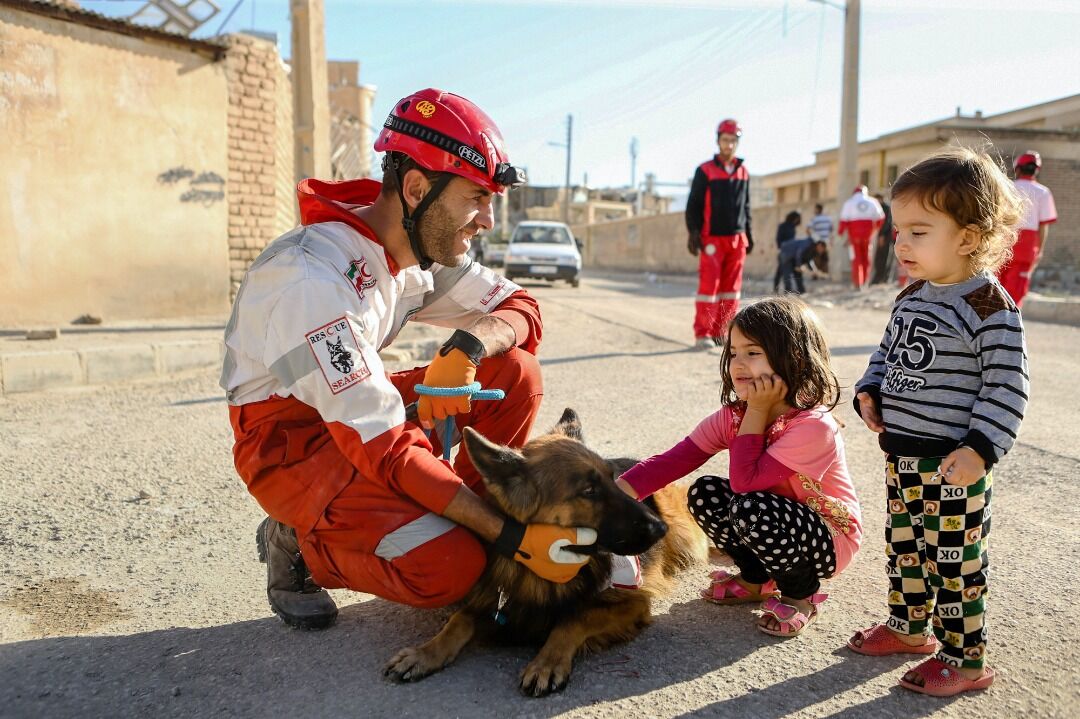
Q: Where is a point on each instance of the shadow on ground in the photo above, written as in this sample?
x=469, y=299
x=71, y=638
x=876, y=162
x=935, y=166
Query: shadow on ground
x=261, y=668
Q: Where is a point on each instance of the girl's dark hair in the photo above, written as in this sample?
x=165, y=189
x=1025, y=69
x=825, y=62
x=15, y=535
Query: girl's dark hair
x=793, y=218
x=791, y=335
x=972, y=189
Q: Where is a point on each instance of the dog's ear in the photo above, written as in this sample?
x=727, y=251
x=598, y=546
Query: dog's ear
x=505, y=474
x=619, y=465
x=569, y=426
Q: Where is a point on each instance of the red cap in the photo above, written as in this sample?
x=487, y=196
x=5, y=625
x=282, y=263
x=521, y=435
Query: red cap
x=729, y=127
x=1029, y=157
x=445, y=132
x=860, y=188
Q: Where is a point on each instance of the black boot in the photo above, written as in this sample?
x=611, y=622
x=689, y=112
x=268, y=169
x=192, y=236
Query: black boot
x=293, y=595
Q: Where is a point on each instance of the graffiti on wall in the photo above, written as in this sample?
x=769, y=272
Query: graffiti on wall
x=206, y=188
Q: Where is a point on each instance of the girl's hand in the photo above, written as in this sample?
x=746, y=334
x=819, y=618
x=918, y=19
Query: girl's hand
x=869, y=413
x=625, y=487
x=963, y=467
x=765, y=392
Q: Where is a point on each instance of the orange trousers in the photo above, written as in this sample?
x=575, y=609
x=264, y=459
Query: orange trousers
x=367, y=537
x=860, y=256
x=1015, y=275
x=720, y=268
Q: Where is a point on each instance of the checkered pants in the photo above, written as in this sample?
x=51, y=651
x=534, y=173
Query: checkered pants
x=936, y=537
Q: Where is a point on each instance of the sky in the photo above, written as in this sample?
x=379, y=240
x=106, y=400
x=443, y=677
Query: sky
x=666, y=71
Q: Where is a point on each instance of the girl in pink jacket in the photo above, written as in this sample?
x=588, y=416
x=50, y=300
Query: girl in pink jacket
x=787, y=516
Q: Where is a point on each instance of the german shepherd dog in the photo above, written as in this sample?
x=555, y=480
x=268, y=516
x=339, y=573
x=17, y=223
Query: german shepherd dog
x=556, y=479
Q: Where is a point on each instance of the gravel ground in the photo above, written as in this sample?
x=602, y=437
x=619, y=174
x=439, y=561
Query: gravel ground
x=130, y=584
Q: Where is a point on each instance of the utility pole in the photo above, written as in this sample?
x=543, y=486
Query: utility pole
x=504, y=215
x=311, y=101
x=849, y=123
x=848, y=160
x=569, y=139
x=633, y=162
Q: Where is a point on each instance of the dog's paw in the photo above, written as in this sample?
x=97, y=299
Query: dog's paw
x=410, y=665
x=542, y=677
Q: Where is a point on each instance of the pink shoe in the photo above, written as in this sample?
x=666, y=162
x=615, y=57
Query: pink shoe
x=791, y=619
x=941, y=680
x=725, y=589
x=879, y=641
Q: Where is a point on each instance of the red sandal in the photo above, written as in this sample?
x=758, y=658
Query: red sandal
x=880, y=641
x=725, y=589
x=791, y=619
x=941, y=680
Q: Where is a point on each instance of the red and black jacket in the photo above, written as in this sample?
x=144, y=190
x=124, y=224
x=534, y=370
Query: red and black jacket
x=719, y=202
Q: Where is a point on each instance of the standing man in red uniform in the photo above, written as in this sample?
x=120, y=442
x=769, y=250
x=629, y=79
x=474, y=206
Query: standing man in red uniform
x=1015, y=276
x=356, y=495
x=860, y=217
x=718, y=222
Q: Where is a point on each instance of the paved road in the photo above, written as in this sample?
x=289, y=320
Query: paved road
x=130, y=587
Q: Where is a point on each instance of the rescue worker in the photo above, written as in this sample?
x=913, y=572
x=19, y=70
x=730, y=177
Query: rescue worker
x=860, y=218
x=357, y=496
x=1015, y=275
x=718, y=222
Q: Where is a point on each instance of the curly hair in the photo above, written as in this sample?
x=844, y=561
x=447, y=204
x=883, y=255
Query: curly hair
x=972, y=189
x=791, y=335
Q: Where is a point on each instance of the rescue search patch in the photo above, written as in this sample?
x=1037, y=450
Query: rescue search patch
x=338, y=354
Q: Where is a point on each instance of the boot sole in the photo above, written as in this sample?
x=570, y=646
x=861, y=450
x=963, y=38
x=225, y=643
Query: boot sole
x=302, y=623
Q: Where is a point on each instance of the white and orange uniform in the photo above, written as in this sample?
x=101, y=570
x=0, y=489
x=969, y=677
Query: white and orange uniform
x=860, y=217
x=1015, y=275
x=321, y=437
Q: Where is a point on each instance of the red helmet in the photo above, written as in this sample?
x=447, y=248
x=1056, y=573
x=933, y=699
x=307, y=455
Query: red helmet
x=1029, y=157
x=730, y=127
x=447, y=133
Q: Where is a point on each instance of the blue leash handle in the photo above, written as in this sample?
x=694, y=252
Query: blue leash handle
x=471, y=390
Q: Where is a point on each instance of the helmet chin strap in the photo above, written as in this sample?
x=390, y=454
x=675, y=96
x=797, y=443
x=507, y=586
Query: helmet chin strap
x=411, y=221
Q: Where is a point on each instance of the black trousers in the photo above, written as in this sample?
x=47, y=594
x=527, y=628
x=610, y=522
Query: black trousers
x=883, y=260
x=767, y=536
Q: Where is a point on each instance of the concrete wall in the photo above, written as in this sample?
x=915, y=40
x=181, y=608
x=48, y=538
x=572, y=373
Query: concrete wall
x=658, y=244
x=112, y=172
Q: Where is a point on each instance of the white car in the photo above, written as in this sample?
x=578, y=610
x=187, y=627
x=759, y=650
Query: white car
x=544, y=250
x=487, y=252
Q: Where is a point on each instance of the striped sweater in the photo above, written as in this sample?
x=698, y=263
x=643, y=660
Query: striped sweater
x=950, y=371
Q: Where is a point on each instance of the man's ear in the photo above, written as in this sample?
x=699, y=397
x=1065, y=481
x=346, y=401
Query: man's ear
x=569, y=425
x=414, y=186
x=505, y=474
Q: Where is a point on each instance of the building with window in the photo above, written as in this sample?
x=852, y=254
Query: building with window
x=1052, y=128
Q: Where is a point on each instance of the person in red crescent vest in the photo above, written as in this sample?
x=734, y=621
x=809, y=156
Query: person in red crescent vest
x=1015, y=275
x=718, y=223
x=860, y=218
x=329, y=443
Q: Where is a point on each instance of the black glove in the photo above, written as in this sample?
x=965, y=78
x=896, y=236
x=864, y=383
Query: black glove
x=693, y=243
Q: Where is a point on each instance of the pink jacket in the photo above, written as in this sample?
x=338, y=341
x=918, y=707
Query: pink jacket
x=801, y=457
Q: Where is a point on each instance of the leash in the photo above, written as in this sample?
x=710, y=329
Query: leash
x=472, y=391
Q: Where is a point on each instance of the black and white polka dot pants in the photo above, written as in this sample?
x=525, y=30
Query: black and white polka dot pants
x=768, y=536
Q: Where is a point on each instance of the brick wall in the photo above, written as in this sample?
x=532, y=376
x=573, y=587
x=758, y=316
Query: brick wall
x=1063, y=247
x=259, y=127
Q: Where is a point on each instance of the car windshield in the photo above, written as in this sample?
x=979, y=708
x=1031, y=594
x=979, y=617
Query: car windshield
x=541, y=235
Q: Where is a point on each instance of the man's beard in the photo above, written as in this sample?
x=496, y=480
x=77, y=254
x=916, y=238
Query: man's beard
x=438, y=232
